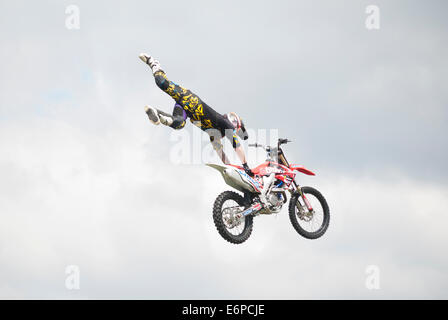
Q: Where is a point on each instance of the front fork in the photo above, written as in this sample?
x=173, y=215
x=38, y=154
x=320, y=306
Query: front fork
x=298, y=190
x=296, y=187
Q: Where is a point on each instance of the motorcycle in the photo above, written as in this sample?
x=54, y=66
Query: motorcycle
x=265, y=194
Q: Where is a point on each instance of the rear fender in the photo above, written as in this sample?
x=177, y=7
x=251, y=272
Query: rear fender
x=237, y=178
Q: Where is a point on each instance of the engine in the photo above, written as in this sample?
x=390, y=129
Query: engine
x=276, y=201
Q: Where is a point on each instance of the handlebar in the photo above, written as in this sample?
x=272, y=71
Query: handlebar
x=283, y=141
x=255, y=145
x=280, y=142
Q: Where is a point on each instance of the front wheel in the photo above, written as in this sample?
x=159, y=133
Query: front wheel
x=311, y=225
x=226, y=209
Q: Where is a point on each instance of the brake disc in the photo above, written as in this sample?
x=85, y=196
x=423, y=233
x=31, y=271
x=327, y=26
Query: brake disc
x=303, y=212
x=231, y=217
x=306, y=215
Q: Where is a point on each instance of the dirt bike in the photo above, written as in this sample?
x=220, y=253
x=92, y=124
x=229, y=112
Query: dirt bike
x=264, y=194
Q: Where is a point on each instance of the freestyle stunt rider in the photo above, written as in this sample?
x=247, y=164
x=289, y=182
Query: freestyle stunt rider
x=203, y=116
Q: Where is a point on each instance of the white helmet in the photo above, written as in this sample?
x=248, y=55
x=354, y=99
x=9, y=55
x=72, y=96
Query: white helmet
x=235, y=120
x=238, y=124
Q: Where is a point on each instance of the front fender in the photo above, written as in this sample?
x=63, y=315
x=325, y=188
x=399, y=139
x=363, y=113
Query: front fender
x=302, y=169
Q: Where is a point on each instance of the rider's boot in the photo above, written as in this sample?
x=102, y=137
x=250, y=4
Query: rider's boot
x=156, y=116
x=153, y=115
x=151, y=62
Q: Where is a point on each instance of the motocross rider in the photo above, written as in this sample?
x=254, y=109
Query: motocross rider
x=202, y=115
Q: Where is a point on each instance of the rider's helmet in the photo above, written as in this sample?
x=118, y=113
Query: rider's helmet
x=234, y=120
x=238, y=124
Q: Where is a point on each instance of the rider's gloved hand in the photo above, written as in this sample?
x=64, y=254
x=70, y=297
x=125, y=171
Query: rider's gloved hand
x=242, y=133
x=247, y=169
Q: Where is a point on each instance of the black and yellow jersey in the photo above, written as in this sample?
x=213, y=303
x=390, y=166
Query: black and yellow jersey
x=200, y=114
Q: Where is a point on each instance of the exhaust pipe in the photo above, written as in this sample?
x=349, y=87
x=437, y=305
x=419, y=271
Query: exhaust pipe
x=252, y=209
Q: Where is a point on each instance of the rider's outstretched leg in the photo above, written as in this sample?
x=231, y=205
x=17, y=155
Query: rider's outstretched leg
x=175, y=121
x=177, y=92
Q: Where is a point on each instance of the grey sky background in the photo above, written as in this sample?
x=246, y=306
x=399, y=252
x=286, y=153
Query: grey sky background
x=86, y=180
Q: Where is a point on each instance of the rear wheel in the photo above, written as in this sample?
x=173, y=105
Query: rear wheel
x=311, y=225
x=226, y=215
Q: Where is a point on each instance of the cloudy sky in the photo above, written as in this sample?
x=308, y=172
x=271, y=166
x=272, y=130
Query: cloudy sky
x=86, y=180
